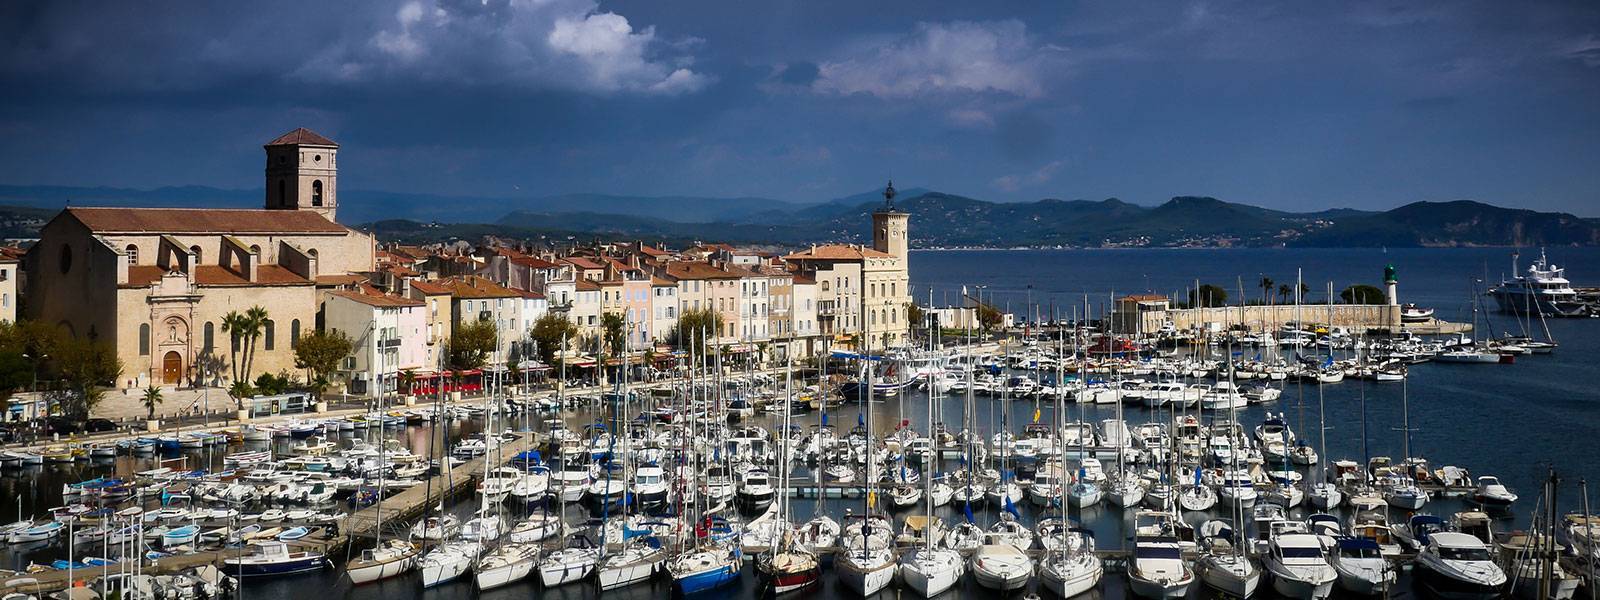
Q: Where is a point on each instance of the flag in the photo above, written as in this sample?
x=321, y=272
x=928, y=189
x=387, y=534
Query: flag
x=1036, y=414
x=1197, y=475
x=1010, y=508
x=872, y=499
x=824, y=419
x=861, y=419
x=1327, y=363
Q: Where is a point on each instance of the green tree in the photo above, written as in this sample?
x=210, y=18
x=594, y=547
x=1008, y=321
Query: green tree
x=1266, y=284
x=1283, y=292
x=271, y=385
x=240, y=390
x=613, y=334
x=989, y=318
x=152, y=399
x=548, y=332
x=1363, y=294
x=470, y=345
x=16, y=372
x=686, y=333
x=87, y=365
x=319, y=353
x=408, y=381
x=1209, y=296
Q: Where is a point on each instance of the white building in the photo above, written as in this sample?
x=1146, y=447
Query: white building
x=389, y=334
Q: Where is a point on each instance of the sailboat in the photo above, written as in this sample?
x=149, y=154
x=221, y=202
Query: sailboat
x=865, y=569
x=637, y=561
x=1072, y=567
x=927, y=570
x=507, y=563
x=1324, y=494
x=388, y=558
x=1227, y=566
x=715, y=558
x=789, y=566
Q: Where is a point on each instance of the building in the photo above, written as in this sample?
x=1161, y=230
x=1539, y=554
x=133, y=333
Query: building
x=10, y=272
x=388, y=334
x=439, y=312
x=156, y=282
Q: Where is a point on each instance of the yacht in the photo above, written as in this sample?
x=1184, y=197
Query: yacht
x=635, y=563
x=1296, y=563
x=1458, y=566
x=1226, y=567
x=1075, y=568
x=865, y=570
x=1493, y=494
x=388, y=559
x=1158, y=570
x=1361, y=566
x=931, y=571
x=1543, y=290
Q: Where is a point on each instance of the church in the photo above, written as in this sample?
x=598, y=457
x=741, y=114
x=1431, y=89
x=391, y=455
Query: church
x=157, y=282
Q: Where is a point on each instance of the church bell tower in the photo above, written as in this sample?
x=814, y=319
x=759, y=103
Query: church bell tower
x=303, y=173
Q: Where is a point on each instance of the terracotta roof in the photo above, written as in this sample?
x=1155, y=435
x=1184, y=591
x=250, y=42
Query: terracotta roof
x=801, y=279
x=653, y=251
x=202, y=220
x=700, y=270
x=473, y=286
x=533, y=262
x=430, y=288
x=529, y=294
x=581, y=262
x=586, y=285
x=302, y=137
x=218, y=276
x=371, y=296
x=662, y=281
x=1144, y=297
x=838, y=252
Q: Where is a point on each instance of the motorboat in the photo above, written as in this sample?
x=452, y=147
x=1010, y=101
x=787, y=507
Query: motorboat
x=271, y=558
x=1543, y=290
x=1361, y=566
x=1459, y=567
x=1519, y=559
x=1158, y=570
x=1226, y=567
x=1414, y=533
x=1295, y=561
x=1491, y=494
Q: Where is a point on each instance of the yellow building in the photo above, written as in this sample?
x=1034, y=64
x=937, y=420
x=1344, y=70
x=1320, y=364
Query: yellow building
x=157, y=282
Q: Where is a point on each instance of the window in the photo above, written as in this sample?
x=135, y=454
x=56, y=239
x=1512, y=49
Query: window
x=195, y=250
x=891, y=288
x=294, y=332
x=66, y=259
x=255, y=250
x=824, y=286
x=144, y=339
x=133, y=254
x=316, y=192
x=271, y=334
x=209, y=336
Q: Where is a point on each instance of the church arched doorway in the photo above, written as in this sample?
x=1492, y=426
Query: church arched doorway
x=171, y=368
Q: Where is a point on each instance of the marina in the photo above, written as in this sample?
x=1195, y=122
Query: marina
x=1216, y=448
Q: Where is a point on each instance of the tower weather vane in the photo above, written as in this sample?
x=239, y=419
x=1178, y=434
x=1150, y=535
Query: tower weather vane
x=888, y=195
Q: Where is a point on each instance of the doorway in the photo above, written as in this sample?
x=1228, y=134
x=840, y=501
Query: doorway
x=171, y=368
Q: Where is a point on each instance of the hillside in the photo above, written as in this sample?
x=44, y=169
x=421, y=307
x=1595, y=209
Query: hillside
x=1458, y=223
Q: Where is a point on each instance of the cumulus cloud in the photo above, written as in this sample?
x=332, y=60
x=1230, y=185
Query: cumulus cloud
x=544, y=44
x=988, y=57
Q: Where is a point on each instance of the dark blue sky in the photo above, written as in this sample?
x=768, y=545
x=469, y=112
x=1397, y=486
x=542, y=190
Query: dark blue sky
x=1290, y=105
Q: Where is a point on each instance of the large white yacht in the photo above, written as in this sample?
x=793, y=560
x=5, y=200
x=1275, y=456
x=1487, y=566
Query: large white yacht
x=1543, y=290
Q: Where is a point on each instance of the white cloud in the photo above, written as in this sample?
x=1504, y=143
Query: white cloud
x=989, y=57
x=971, y=118
x=547, y=44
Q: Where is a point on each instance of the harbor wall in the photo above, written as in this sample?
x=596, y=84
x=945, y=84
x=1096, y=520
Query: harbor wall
x=1261, y=317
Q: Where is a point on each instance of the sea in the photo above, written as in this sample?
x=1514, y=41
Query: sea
x=1519, y=421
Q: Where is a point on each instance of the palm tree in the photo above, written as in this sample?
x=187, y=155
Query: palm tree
x=1283, y=292
x=152, y=397
x=1266, y=289
x=234, y=324
x=256, y=321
